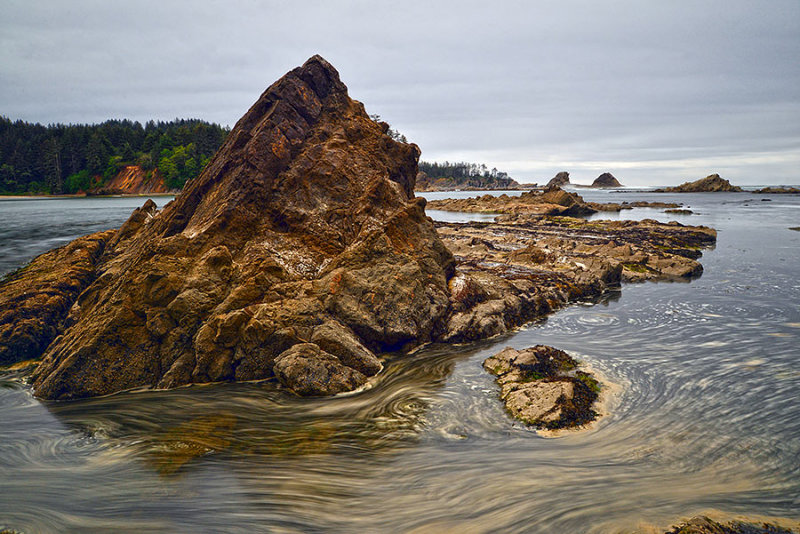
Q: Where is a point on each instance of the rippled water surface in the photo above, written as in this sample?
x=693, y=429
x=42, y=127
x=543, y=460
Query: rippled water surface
x=705, y=415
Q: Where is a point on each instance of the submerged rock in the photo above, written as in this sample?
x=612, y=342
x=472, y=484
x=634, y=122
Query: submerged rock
x=300, y=251
x=710, y=184
x=541, y=386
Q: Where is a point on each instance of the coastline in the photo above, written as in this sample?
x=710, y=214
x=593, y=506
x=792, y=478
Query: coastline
x=63, y=197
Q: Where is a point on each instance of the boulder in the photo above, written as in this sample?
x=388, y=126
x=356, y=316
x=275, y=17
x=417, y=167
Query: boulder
x=302, y=230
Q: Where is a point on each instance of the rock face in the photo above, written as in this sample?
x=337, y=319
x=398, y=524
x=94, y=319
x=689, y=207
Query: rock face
x=133, y=180
x=559, y=179
x=300, y=251
x=542, y=387
x=710, y=184
x=35, y=299
x=606, y=180
x=783, y=190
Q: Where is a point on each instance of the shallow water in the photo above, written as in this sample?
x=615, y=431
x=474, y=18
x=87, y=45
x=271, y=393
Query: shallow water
x=707, y=415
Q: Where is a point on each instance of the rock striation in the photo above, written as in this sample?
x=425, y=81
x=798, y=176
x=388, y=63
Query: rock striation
x=133, y=180
x=710, y=184
x=299, y=252
x=606, y=180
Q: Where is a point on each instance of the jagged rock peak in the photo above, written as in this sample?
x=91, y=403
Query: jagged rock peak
x=302, y=231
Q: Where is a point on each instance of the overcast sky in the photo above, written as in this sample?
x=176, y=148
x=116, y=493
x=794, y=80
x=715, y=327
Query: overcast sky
x=654, y=92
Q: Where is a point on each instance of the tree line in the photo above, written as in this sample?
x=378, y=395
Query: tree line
x=59, y=158
x=460, y=170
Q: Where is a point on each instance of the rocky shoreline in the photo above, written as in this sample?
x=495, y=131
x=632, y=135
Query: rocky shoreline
x=550, y=201
x=300, y=254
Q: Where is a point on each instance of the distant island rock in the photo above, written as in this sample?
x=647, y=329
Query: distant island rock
x=771, y=190
x=606, y=180
x=710, y=184
x=560, y=179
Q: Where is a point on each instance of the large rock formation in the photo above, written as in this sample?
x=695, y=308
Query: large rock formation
x=559, y=180
x=300, y=251
x=710, y=184
x=606, y=180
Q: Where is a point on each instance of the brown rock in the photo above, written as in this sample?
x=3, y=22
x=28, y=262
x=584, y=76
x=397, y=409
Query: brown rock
x=784, y=190
x=35, y=299
x=562, y=178
x=540, y=387
x=306, y=369
x=710, y=184
x=606, y=180
x=704, y=525
x=133, y=180
x=551, y=201
x=302, y=227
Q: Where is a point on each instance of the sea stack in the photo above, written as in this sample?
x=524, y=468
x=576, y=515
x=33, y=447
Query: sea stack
x=558, y=180
x=606, y=180
x=299, y=252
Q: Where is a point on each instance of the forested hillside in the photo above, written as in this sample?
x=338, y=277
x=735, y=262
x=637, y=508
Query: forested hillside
x=59, y=158
x=462, y=175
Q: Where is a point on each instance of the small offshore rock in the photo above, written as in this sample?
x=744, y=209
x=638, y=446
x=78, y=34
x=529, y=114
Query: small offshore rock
x=710, y=184
x=562, y=178
x=541, y=386
x=606, y=180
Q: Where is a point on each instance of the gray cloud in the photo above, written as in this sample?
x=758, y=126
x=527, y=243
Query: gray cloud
x=653, y=92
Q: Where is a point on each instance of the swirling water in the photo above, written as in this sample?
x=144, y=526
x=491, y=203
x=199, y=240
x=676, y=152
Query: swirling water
x=705, y=415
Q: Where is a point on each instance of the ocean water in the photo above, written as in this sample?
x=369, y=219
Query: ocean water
x=703, y=413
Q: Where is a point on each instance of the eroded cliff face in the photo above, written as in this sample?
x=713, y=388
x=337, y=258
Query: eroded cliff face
x=300, y=250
